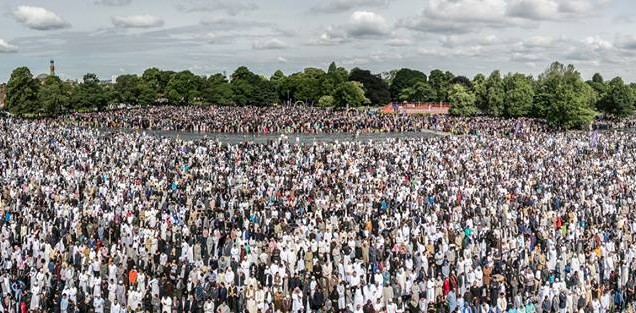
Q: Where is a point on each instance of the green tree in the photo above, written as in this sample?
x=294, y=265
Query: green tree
x=135, y=90
x=563, y=98
x=619, y=99
x=569, y=109
x=153, y=80
x=440, y=81
x=89, y=94
x=350, y=94
x=278, y=80
x=326, y=101
x=480, y=92
x=376, y=89
x=183, y=88
x=600, y=87
x=126, y=87
x=495, y=94
x=265, y=93
x=217, y=90
x=54, y=96
x=404, y=78
x=311, y=80
x=245, y=86
x=462, y=101
x=22, y=91
x=164, y=79
x=146, y=93
x=462, y=80
x=334, y=77
x=519, y=95
x=420, y=92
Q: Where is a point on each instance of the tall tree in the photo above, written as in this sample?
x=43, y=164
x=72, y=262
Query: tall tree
x=519, y=94
x=183, y=88
x=326, y=101
x=350, y=94
x=22, y=91
x=126, y=87
x=376, y=89
x=217, y=90
x=480, y=92
x=265, y=93
x=135, y=90
x=420, y=92
x=462, y=101
x=440, y=81
x=89, y=94
x=278, y=80
x=600, y=87
x=495, y=94
x=563, y=98
x=462, y=80
x=335, y=76
x=619, y=100
x=152, y=78
x=54, y=95
x=569, y=108
x=404, y=78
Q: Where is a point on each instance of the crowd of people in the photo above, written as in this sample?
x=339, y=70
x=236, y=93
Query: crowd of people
x=509, y=218
x=268, y=120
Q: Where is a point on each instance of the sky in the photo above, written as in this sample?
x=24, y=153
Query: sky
x=113, y=37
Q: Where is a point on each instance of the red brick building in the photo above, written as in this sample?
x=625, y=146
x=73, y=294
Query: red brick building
x=418, y=108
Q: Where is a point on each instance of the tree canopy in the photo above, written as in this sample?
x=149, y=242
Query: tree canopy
x=559, y=95
x=404, y=78
x=376, y=89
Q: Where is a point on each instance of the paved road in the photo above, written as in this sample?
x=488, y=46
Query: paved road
x=302, y=138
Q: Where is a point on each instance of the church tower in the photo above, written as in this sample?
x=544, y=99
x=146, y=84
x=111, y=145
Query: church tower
x=52, y=68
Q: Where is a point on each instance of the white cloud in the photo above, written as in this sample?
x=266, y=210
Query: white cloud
x=137, y=21
x=339, y=6
x=554, y=9
x=526, y=57
x=457, y=16
x=281, y=59
x=385, y=56
x=533, y=9
x=400, y=42
x=464, y=16
x=39, y=18
x=468, y=51
x=597, y=43
x=332, y=36
x=210, y=38
x=627, y=42
x=269, y=44
x=430, y=52
x=361, y=24
x=6, y=47
x=355, y=61
x=539, y=41
x=232, y=7
x=366, y=24
x=113, y=3
x=453, y=41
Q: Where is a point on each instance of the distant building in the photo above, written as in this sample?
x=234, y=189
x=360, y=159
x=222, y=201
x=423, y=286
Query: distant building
x=42, y=77
x=3, y=95
x=417, y=108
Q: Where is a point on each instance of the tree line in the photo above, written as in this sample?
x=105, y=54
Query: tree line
x=558, y=95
